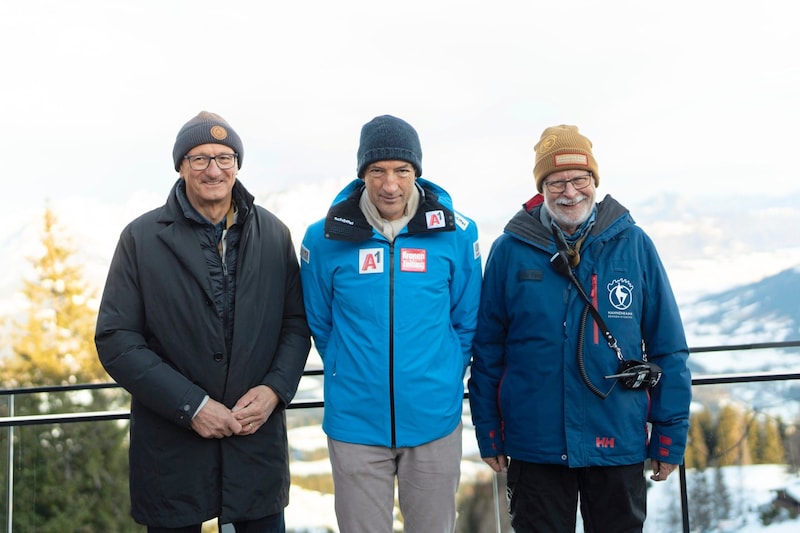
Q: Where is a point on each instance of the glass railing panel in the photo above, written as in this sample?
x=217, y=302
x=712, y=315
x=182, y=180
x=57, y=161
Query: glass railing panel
x=741, y=462
x=741, y=473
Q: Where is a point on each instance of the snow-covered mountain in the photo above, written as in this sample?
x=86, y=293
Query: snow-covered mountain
x=767, y=310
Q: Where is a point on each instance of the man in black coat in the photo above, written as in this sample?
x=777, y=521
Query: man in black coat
x=202, y=321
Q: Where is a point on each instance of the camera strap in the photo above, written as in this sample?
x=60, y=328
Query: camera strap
x=562, y=264
x=632, y=374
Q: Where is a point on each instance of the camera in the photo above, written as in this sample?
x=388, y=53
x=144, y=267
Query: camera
x=637, y=374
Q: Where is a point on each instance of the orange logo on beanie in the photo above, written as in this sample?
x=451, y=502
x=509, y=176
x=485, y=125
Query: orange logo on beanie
x=218, y=132
x=547, y=143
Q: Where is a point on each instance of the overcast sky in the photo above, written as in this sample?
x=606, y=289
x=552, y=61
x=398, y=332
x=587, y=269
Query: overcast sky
x=687, y=96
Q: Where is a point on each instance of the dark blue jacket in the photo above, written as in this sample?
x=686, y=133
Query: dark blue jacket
x=527, y=396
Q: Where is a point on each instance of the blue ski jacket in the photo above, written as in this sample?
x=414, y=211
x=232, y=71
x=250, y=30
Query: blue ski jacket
x=393, y=322
x=527, y=396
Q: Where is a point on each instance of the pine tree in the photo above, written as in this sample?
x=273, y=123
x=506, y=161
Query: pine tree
x=67, y=476
x=697, y=448
x=771, y=445
x=731, y=434
x=755, y=440
x=55, y=345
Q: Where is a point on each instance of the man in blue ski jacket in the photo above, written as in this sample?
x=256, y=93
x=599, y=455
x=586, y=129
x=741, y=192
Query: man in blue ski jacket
x=391, y=281
x=577, y=391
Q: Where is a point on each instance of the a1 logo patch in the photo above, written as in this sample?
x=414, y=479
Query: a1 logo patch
x=435, y=219
x=370, y=261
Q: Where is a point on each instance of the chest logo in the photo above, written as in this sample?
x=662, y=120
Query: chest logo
x=620, y=293
x=413, y=260
x=370, y=261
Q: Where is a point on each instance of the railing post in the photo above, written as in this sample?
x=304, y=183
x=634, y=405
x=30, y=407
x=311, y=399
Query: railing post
x=496, y=493
x=10, y=491
x=684, y=498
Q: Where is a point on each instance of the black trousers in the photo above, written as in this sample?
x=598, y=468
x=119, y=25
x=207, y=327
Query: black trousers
x=544, y=498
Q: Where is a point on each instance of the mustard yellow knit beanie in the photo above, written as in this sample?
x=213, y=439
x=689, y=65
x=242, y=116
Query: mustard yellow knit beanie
x=563, y=148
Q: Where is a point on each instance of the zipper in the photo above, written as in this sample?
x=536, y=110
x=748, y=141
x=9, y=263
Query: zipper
x=225, y=303
x=391, y=344
x=595, y=327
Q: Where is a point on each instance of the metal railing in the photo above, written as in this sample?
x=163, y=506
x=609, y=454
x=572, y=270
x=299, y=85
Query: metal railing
x=11, y=421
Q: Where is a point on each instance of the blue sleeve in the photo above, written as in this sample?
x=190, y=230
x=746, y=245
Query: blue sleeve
x=317, y=287
x=465, y=288
x=665, y=342
x=489, y=356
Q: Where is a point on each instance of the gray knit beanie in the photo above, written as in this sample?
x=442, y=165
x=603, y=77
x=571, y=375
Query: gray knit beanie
x=387, y=138
x=206, y=128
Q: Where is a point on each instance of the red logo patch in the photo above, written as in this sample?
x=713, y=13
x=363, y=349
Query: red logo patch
x=413, y=260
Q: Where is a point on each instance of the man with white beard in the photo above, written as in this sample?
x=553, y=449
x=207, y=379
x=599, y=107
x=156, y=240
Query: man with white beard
x=579, y=362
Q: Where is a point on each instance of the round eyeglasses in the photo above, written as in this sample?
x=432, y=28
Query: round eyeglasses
x=201, y=162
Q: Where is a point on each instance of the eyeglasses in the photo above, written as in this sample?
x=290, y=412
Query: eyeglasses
x=579, y=182
x=201, y=162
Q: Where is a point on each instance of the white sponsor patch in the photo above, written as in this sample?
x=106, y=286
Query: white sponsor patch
x=305, y=254
x=476, y=249
x=461, y=221
x=435, y=219
x=370, y=261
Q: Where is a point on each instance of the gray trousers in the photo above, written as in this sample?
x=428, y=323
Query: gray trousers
x=427, y=481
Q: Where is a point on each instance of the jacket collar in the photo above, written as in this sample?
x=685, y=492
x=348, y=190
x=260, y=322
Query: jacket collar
x=178, y=204
x=527, y=224
x=346, y=222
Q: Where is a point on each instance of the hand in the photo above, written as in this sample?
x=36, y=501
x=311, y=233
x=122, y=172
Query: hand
x=215, y=421
x=498, y=464
x=254, y=408
x=661, y=471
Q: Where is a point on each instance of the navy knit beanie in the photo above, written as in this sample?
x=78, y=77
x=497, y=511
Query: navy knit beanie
x=388, y=138
x=206, y=128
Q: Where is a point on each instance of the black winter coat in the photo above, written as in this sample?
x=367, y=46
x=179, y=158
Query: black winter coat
x=160, y=336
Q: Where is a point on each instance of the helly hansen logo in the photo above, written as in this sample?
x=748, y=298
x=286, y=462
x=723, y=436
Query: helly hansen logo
x=604, y=442
x=370, y=261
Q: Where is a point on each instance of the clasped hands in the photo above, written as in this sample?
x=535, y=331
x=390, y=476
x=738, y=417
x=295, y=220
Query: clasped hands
x=215, y=421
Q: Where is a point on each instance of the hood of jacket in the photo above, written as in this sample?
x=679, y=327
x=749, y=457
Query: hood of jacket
x=526, y=225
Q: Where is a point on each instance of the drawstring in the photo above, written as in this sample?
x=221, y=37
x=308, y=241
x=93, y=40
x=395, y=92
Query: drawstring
x=572, y=250
x=228, y=223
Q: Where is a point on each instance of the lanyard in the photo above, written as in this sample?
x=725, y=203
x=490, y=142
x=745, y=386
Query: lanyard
x=632, y=374
x=561, y=263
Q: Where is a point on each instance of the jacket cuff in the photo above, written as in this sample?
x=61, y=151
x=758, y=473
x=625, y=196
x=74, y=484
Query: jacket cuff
x=188, y=407
x=664, y=449
x=490, y=443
